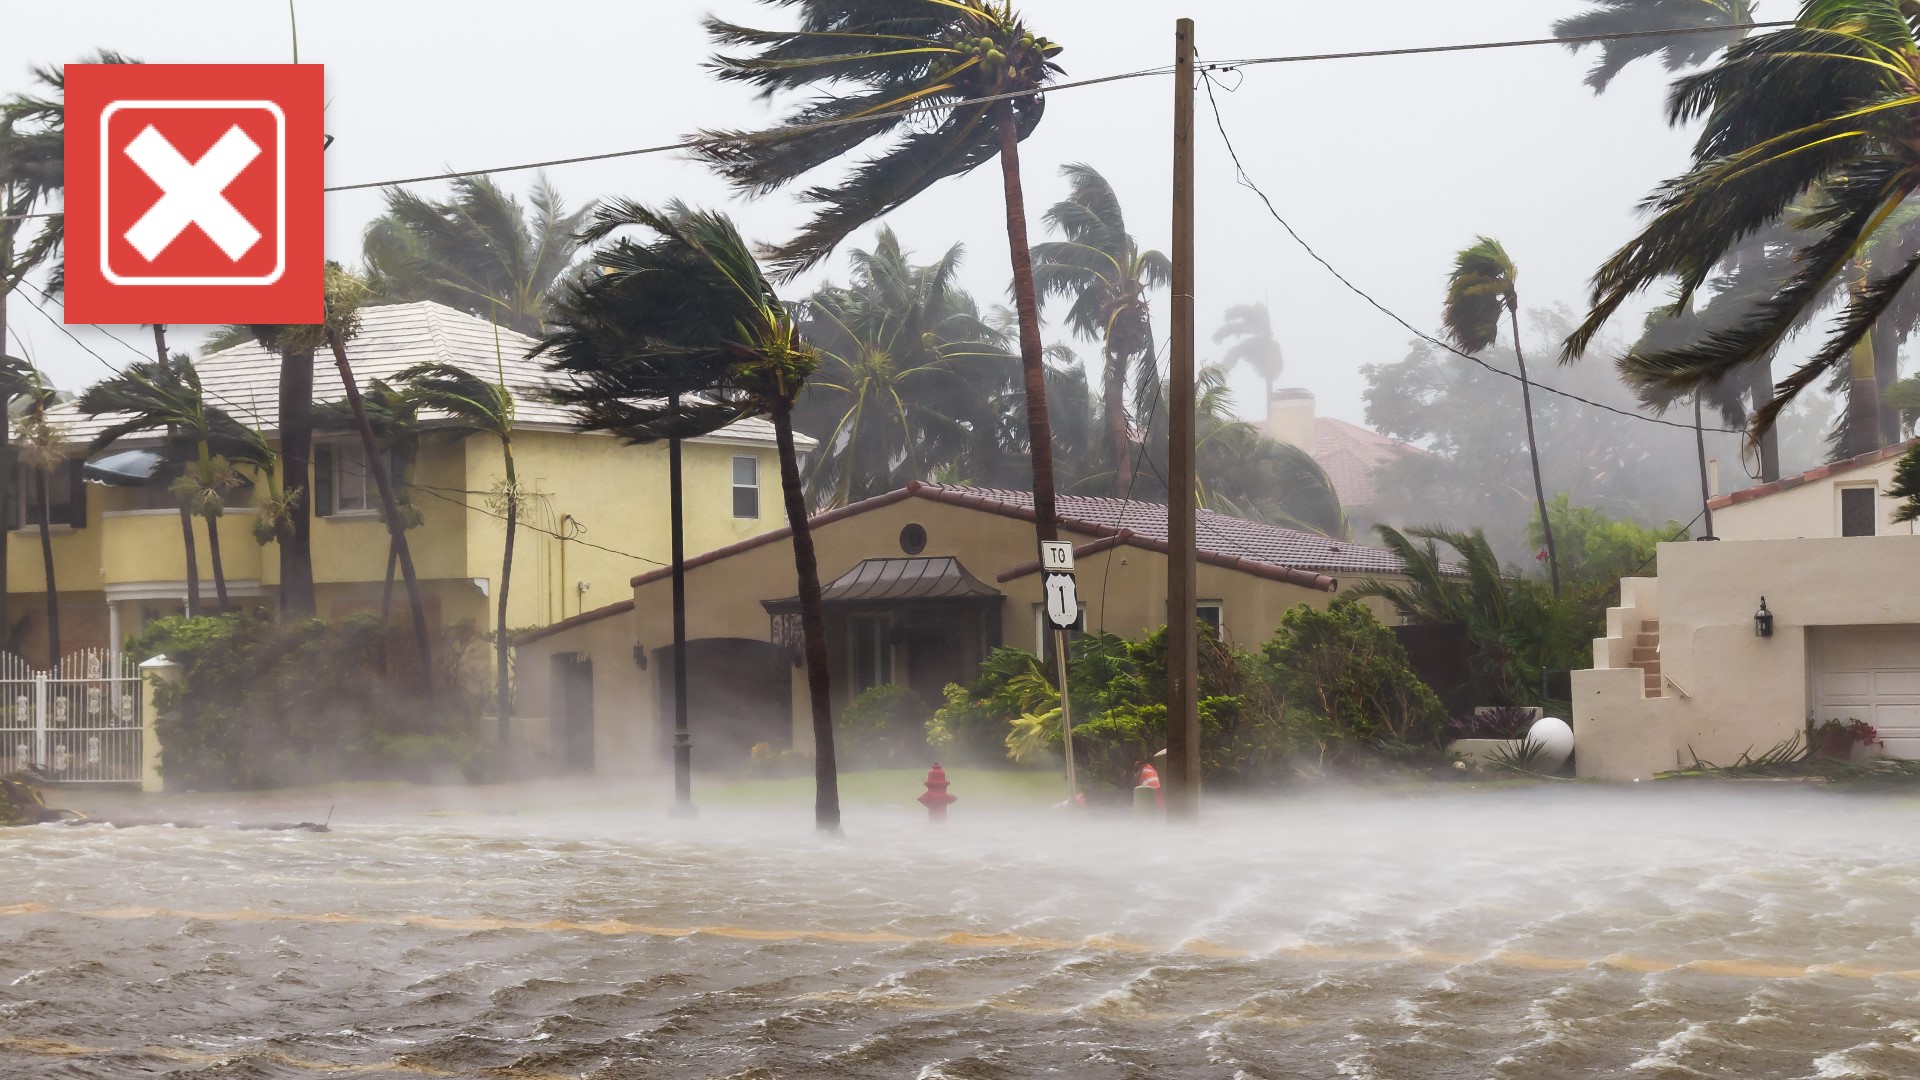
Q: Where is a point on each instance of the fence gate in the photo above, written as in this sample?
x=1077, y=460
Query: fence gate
x=79, y=723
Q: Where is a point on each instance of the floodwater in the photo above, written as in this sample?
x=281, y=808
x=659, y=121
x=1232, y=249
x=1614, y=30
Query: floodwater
x=1539, y=933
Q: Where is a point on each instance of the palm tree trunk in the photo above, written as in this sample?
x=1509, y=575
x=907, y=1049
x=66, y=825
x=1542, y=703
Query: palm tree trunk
x=296, y=462
x=46, y=563
x=396, y=528
x=1533, y=451
x=1760, y=393
x=1886, y=372
x=386, y=592
x=193, y=560
x=813, y=626
x=1117, y=425
x=1026, y=305
x=219, y=568
x=1706, y=489
x=1863, y=402
x=502, y=648
x=7, y=470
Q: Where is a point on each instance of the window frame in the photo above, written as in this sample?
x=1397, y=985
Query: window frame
x=752, y=489
x=1219, y=620
x=68, y=509
x=886, y=667
x=1872, y=489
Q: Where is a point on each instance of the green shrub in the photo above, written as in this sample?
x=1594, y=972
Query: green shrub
x=1343, y=666
x=883, y=727
x=262, y=703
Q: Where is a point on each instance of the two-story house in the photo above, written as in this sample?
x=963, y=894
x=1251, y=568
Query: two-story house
x=597, y=513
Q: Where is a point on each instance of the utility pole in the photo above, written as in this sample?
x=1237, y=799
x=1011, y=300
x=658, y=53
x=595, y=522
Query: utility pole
x=682, y=738
x=1183, y=675
x=1706, y=489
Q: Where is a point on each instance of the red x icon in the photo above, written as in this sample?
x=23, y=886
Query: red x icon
x=193, y=193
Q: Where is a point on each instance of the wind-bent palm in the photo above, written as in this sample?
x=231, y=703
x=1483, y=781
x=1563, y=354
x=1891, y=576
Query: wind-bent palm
x=478, y=251
x=1100, y=268
x=1820, y=115
x=469, y=405
x=1678, y=52
x=201, y=439
x=970, y=66
x=1480, y=291
x=1250, y=328
x=681, y=336
x=395, y=419
x=910, y=376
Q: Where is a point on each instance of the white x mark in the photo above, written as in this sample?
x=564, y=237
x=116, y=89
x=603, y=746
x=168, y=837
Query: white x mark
x=192, y=193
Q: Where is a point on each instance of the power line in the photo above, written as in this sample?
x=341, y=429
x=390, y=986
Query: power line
x=1247, y=182
x=825, y=125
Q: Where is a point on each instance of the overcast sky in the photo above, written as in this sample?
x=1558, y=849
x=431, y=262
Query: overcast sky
x=1387, y=165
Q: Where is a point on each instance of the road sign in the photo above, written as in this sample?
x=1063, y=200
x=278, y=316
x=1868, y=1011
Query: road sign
x=193, y=193
x=1056, y=555
x=1063, y=601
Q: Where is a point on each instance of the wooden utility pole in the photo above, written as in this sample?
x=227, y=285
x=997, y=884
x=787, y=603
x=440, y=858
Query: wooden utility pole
x=1706, y=488
x=1183, y=675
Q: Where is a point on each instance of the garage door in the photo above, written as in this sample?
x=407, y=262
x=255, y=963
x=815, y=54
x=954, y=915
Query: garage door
x=1871, y=673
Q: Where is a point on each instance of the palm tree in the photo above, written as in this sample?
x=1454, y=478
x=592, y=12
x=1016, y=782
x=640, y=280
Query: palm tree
x=296, y=346
x=468, y=405
x=1101, y=269
x=345, y=296
x=1678, y=52
x=911, y=377
x=1250, y=328
x=1817, y=116
x=42, y=447
x=1479, y=291
x=971, y=66
x=685, y=334
x=167, y=398
x=477, y=251
x=395, y=418
x=32, y=173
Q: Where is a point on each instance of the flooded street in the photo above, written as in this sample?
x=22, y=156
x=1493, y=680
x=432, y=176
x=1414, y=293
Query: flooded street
x=1551, y=932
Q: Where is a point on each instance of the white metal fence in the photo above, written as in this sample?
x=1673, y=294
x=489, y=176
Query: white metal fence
x=79, y=723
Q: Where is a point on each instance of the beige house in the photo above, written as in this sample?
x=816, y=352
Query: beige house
x=1685, y=671
x=918, y=584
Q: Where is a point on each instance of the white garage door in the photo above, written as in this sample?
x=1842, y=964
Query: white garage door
x=1870, y=673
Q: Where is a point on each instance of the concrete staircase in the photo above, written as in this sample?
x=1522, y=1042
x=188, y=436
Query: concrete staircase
x=1646, y=655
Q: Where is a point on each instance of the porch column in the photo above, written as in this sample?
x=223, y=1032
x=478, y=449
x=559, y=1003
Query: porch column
x=113, y=637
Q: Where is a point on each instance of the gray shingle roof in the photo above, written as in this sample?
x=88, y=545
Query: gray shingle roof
x=244, y=380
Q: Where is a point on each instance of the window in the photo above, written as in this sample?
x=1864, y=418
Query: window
x=65, y=496
x=746, y=487
x=1213, y=613
x=1857, y=512
x=342, y=483
x=870, y=642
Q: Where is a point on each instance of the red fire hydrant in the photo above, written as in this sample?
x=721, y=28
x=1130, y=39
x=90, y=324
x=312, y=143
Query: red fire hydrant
x=935, y=798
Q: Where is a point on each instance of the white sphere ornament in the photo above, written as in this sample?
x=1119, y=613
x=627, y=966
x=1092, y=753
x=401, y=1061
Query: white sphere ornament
x=1555, y=738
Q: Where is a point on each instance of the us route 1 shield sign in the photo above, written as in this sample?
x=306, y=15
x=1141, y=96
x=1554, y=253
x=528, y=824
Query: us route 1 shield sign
x=1063, y=601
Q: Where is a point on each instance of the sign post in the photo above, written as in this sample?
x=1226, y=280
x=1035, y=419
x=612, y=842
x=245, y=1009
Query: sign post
x=1063, y=613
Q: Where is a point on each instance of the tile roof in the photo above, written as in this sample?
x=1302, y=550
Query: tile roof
x=1351, y=454
x=244, y=380
x=1788, y=483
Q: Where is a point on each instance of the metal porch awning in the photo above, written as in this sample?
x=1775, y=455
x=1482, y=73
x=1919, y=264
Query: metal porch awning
x=898, y=581
x=127, y=468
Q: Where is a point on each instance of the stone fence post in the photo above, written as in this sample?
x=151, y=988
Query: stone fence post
x=152, y=673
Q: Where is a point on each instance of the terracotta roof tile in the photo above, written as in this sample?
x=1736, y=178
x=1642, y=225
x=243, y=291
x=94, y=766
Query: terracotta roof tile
x=1351, y=455
x=1818, y=472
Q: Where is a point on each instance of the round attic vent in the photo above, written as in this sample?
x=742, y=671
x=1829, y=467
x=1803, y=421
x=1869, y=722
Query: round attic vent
x=913, y=538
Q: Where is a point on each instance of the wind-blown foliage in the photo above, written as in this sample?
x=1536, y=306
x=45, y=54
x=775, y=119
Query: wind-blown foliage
x=682, y=335
x=1482, y=288
x=395, y=418
x=1099, y=268
x=479, y=251
x=968, y=67
x=1808, y=125
x=1677, y=52
x=468, y=405
x=913, y=382
x=1518, y=629
x=1250, y=328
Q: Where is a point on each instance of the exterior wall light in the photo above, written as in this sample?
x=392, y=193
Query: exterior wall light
x=1763, y=620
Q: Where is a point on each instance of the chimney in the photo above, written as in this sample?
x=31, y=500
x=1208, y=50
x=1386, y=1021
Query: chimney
x=1290, y=417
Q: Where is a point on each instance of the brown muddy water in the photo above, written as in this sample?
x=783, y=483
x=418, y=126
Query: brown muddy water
x=1556, y=932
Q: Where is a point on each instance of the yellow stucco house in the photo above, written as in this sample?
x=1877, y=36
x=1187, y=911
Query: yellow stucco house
x=918, y=584
x=1690, y=667
x=598, y=515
